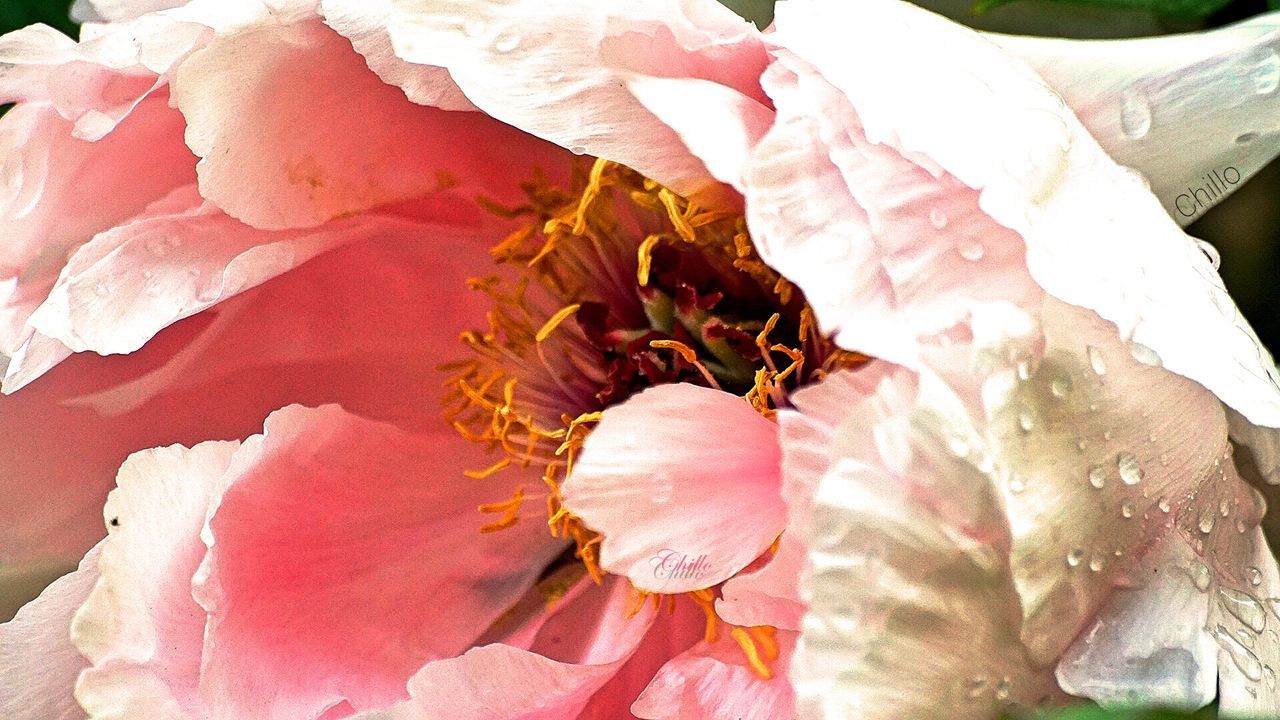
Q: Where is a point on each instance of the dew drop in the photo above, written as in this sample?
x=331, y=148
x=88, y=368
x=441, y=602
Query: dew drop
x=1224, y=507
x=1097, y=563
x=577, y=150
x=1130, y=471
x=1075, y=557
x=1026, y=420
x=1144, y=354
x=1211, y=252
x=1135, y=115
x=1244, y=607
x=1095, y=361
x=971, y=250
x=1241, y=656
x=1255, y=576
x=1201, y=576
x=1164, y=459
x=1107, y=434
x=1060, y=386
x=974, y=687
x=1017, y=484
x=1128, y=509
x=1246, y=138
x=1097, y=477
x=101, y=290
x=1004, y=689
x=506, y=42
x=1206, y=521
x=937, y=218
x=1163, y=504
x=1266, y=75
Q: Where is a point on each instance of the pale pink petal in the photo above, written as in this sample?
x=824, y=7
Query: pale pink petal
x=1181, y=109
x=140, y=627
x=58, y=192
x=324, y=332
x=1095, y=235
x=712, y=681
x=913, y=609
x=683, y=482
x=117, y=10
x=585, y=643
x=243, y=96
x=559, y=69
x=769, y=595
x=38, y=663
x=885, y=246
x=343, y=556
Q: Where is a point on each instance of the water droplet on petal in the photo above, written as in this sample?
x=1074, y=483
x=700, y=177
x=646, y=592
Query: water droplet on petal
x=1246, y=138
x=1004, y=689
x=1224, y=507
x=1135, y=115
x=1017, y=484
x=1206, y=521
x=974, y=687
x=1075, y=557
x=1266, y=74
x=1026, y=420
x=1144, y=354
x=1130, y=471
x=578, y=150
x=1241, y=656
x=1060, y=386
x=1095, y=360
x=1255, y=576
x=1163, y=504
x=1128, y=509
x=1244, y=607
x=937, y=218
x=971, y=250
x=1201, y=576
x=1097, y=477
x=506, y=42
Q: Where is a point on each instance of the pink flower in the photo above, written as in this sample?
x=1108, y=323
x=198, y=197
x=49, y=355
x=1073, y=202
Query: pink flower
x=854, y=378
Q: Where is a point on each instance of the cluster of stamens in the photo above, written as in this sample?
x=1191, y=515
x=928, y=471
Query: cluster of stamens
x=613, y=286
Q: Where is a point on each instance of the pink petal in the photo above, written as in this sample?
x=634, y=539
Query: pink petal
x=38, y=663
x=683, y=483
x=243, y=93
x=769, y=595
x=340, y=525
x=117, y=10
x=1174, y=108
x=1095, y=235
x=61, y=191
x=559, y=69
x=712, y=681
x=140, y=628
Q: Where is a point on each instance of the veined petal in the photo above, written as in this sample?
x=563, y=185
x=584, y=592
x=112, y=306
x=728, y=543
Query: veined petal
x=683, y=483
x=1196, y=114
x=38, y=663
x=559, y=69
x=1095, y=236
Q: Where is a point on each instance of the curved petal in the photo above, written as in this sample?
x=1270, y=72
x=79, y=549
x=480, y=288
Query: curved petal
x=913, y=608
x=339, y=525
x=117, y=10
x=58, y=192
x=558, y=69
x=38, y=663
x=1197, y=114
x=683, y=483
x=713, y=681
x=769, y=595
x=1095, y=236
x=140, y=628
x=264, y=168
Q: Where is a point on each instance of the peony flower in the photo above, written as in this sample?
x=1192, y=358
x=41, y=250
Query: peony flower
x=850, y=374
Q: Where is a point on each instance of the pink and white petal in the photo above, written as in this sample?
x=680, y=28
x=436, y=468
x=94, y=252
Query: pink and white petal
x=559, y=69
x=339, y=525
x=769, y=595
x=885, y=246
x=120, y=289
x=584, y=644
x=243, y=93
x=713, y=681
x=683, y=483
x=38, y=663
x=1175, y=108
x=366, y=27
x=140, y=628
x=60, y=191
x=118, y=10
x=1095, y=235
x=322, y=333
x=913, y=610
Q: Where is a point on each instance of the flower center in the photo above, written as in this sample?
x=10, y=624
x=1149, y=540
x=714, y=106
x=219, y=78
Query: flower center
x=612, y=286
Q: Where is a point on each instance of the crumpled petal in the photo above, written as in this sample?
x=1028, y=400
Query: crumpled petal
x=679, y=513
x=244, y=92
x=340, y=525
x=559, y=69
x=913, y=608
x=1095, y=236
x=140, y=628
x=1196, y=114
x=38, y=663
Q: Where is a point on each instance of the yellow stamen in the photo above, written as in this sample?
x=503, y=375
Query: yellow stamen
x=681, y=222
x=551, y=324
x=491, y=470
x=748, y=645
x=646, y=259
x=766, y=637
x=690, y=355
